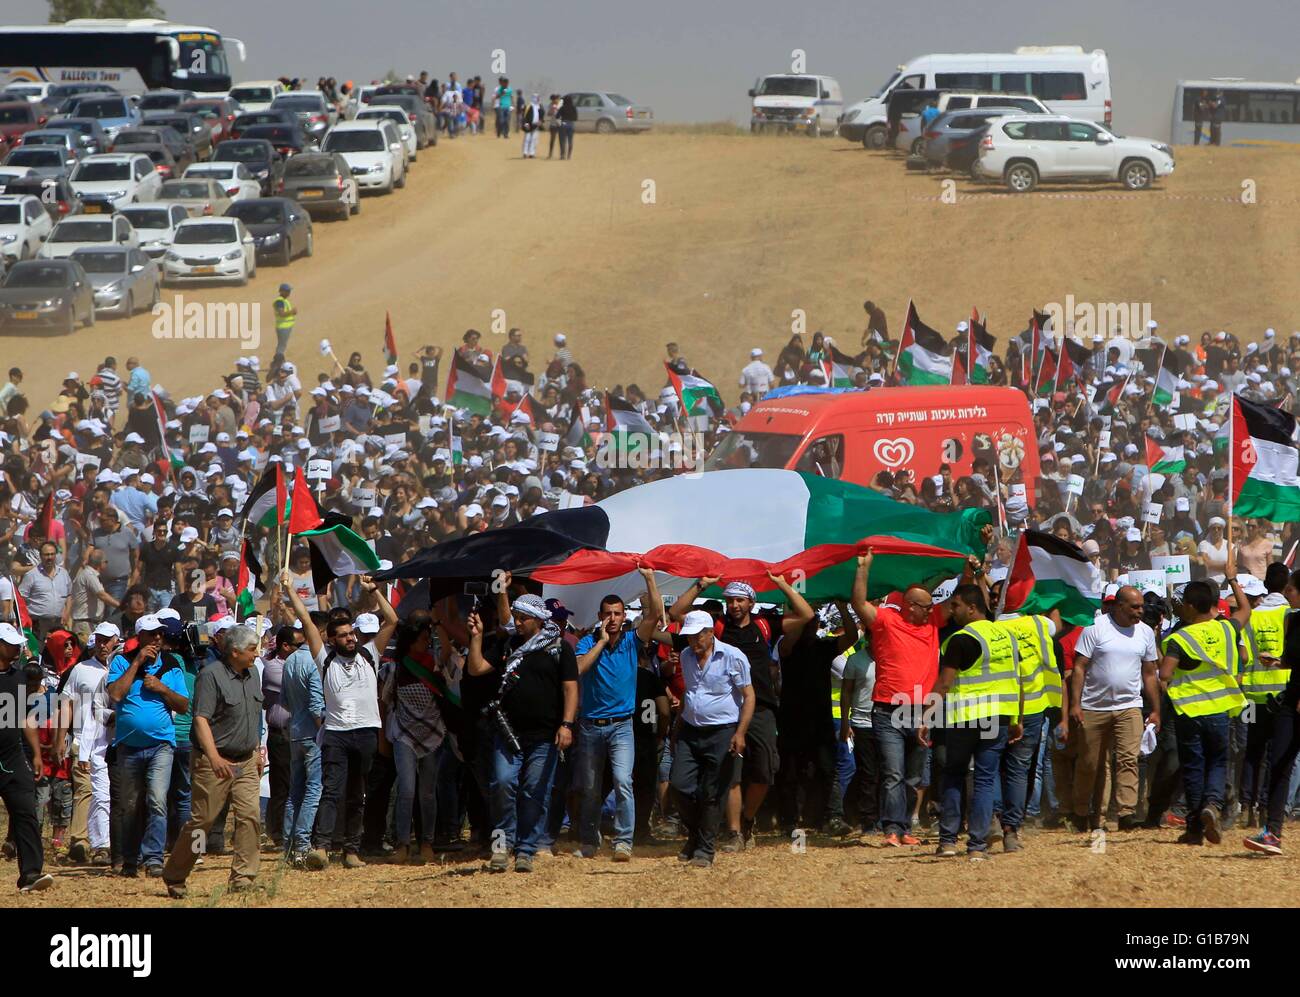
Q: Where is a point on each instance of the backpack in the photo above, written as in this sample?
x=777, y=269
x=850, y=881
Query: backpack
x=361, y=652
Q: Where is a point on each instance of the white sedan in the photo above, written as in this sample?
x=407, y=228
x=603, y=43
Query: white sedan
x=155, y=222
x=86, y=232
x=113, y=180
x=235, y=180
x=211, y=249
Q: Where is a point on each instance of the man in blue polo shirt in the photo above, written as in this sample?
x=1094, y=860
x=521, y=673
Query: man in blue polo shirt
x=607, y=663
x=147, y=686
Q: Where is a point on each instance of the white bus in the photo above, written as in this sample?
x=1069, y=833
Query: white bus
x=129, y=55
x=1064, y=77
x=1253, y=113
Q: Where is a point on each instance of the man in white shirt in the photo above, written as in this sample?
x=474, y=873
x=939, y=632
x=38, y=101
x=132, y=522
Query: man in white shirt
x=350, y=734
x=756, y=377
x=1115, y=661
x=83, y=714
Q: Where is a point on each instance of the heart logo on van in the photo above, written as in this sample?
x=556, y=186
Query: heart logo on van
x=894, y=453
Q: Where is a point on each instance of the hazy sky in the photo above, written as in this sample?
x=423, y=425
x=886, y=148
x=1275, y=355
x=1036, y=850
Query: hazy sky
x=693, y=60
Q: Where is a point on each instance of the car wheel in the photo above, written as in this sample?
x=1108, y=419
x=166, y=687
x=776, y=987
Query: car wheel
x=90, y=317
x=918, y=146
x=311, y=244
x=355, y=207
x=71, y=326
x=1136, y=174
x=401, y=182
x=874, y=137
x=286, y=253
x=604, y=126
x=157, y=296
x=130, y=305
x=815, y=129
x=1021, y=178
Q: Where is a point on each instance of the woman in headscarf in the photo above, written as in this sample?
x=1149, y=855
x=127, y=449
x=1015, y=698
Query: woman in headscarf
x=532, y=125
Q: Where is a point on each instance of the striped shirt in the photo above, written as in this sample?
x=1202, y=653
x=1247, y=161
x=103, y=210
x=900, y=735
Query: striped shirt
x=111, y=385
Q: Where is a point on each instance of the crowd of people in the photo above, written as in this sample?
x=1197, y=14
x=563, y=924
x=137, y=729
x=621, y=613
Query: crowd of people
x=180, y=692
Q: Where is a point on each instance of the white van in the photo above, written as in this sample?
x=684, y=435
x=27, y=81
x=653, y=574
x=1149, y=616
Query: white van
x=1064, y=77
x=796, y=102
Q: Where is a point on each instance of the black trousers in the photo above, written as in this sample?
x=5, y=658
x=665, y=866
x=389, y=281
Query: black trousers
x=1259, y=735
x=379, y=793
x=807, y=767
x=702, y=775
x=1282, y=751
x=346, y=757
x=862, y=798
x=645, y=783
x=277, y=757
x=18, y=790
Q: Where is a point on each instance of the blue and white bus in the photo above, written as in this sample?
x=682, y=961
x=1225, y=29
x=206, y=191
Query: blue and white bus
x=129, y=55
x=1255, y=113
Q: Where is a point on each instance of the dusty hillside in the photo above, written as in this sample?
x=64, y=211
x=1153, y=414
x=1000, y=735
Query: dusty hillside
x=741, y=232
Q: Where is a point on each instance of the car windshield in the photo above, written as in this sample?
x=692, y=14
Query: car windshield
x=887, y=84
x=101, y=262
x=182, y=125
x=205, y=235
x=215, y=171
x=254, y=95
x=46, y=138
x=257, y=212
x=37, y=275
x=71, y=125
x=299, y=103
x=102, y=109
x=137, y=138
x=240, y=152
x=83, y=231
x=309, y=166
x=739, y=449
x=146, y=217
x=269, y=133
x=14, y=115
x=195, y=189
x=787, y=86
x=398, y=116
x=35, y=157
x=102, y=171
x=358, y=141
x=22, y=91
x=160, y=101
x=11, y=214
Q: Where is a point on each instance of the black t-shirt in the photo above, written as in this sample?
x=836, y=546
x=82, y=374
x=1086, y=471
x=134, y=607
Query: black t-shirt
x=1141, y=561
x=962, y=651
x=749, y=640
x=157, y=566
x=185, y=607
x=12, y=685
x=649, y=687
x=535, y=705
x=805, y=713
x=1291, y=659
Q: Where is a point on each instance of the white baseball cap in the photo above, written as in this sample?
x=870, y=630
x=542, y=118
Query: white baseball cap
x=756, y=352
x=149, y=622
x=472, y=510
x=11, y=636
x=696, y=622
x=367, y=623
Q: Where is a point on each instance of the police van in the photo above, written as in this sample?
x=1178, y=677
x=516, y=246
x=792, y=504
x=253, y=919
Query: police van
x=1066, y=78
x=795, y=102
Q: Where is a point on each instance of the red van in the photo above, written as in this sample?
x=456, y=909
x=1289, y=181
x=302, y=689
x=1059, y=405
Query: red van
x=857, y=434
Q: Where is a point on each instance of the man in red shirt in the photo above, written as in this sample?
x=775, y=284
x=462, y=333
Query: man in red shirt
x=905, y=645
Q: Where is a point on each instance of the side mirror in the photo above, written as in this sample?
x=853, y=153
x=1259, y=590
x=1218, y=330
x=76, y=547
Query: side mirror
x=396, y=146
x=825, y=94
x=137, y=268
x=1103, y=138
x=751, y=91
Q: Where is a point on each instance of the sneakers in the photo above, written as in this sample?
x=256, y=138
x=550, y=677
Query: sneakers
x=1190, y=838
x=154, y=871
x=622, y=853
x=1011, y=841
x=837, y=827
x=43, y=882
x=1266, y=842
x=77, y=853
x=747, y=831
x=101, y=858
x=700, y=862
x=909, y=839
x=176, y=891
x=8, y=850
x=1173, y=820
x=891, y=840
x=584, y=852
x=978, y=856
x=1210, y=826
x=353, y=861
x=523, y=863
x=732, y=842
x=241, y=885
x=946, y=849
x=316, y=859
x=684, y=855
x=499, y=862
x=1078, y=824
x=425, y=855
x=1129, y=823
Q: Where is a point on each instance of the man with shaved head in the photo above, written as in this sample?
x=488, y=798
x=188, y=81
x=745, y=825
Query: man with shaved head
x=1114, y=665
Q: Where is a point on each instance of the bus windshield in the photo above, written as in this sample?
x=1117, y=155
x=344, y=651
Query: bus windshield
x=202, y=55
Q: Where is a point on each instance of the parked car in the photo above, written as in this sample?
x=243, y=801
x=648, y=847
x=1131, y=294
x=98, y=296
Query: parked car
x=423, y=120
x=18, y=117
x=33, y=91
x=256, y=95
x=163, y=100
x=86, y=231
x=51, y=294
x=108, y=181
x=281, y=228
x=1024, y=149
x=55, y=194
x=63, y=94
x=316, y=114
x=110, y=110
x=321, y=182
x=121, y=280
x=210, y=249
x=218, y=112
x=793, y=102
x=373, y=151
x=11, y=173
x=288, y=140
x=263, y=163
x=131, y=139
x=24, y=225
x=187, y=125
x=959, y=100
x=51, y=136
x=399, y=117
x=282, y=116
x=952, y=140
x=155, y=223
x=90, y=133
x=42, y=160
x=238, y=183
x=200, y=196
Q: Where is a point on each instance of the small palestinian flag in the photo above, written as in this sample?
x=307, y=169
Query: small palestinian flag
x=923, y=357
x=249, y=583
x=470, y=387
x=25, y=622
x=43, y=525
x=1049, y=573
x=698, y=396
x=390, y=341
x=1107, y=396
x=841, y=370
x=1263, y=463
x=266, y=502
x=1074, y=358
x=577, y=435
x=1165, y=460
x=1166, y=379
x=336, y=551
x=303, y=515
x=621, y=416
x=981, y=345
x=1045, y=384
x=174, y=460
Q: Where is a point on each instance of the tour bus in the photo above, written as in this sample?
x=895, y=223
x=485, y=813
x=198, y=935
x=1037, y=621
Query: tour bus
x=1064, y=77
x=130, y=55
x=855, y=435
x=1254, y=113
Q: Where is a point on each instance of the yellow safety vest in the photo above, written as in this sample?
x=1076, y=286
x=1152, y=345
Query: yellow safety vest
x=1038, y=673
x=284, y=316
x=1262, y=674
x=1211, y=687
x=990, y=688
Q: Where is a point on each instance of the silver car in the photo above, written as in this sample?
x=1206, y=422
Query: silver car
x=123, y=280
x=42, y=160
x=601, y=111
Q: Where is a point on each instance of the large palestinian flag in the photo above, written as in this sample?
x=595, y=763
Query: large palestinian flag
x=470, y=387
x=1049, y=573
x=841, y=370
x=809, y=527
x=1263, y=463
x=923, y=355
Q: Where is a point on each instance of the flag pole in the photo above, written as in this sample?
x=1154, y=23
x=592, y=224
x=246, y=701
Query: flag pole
x=997, y=485
x=1232, y=413
x=1152, y=399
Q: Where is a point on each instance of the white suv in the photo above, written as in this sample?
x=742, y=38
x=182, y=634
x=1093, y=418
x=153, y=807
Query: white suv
x=24, y=224
x=1023, y=149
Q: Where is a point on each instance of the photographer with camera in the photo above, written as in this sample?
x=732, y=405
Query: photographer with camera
x=532, y=717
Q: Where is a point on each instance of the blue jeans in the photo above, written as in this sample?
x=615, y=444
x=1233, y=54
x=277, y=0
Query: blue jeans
x=616, y=742
x=902, y=758
x=520, y=792
x=962, y=744
x=145, y=774
x=503, y=122
x=449, y=801
x=1016, y=765
x=304, y=794
x=159, y=599
x=410, y=772
x=178, y=797
x=1042, y=794
x=1203, y=752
